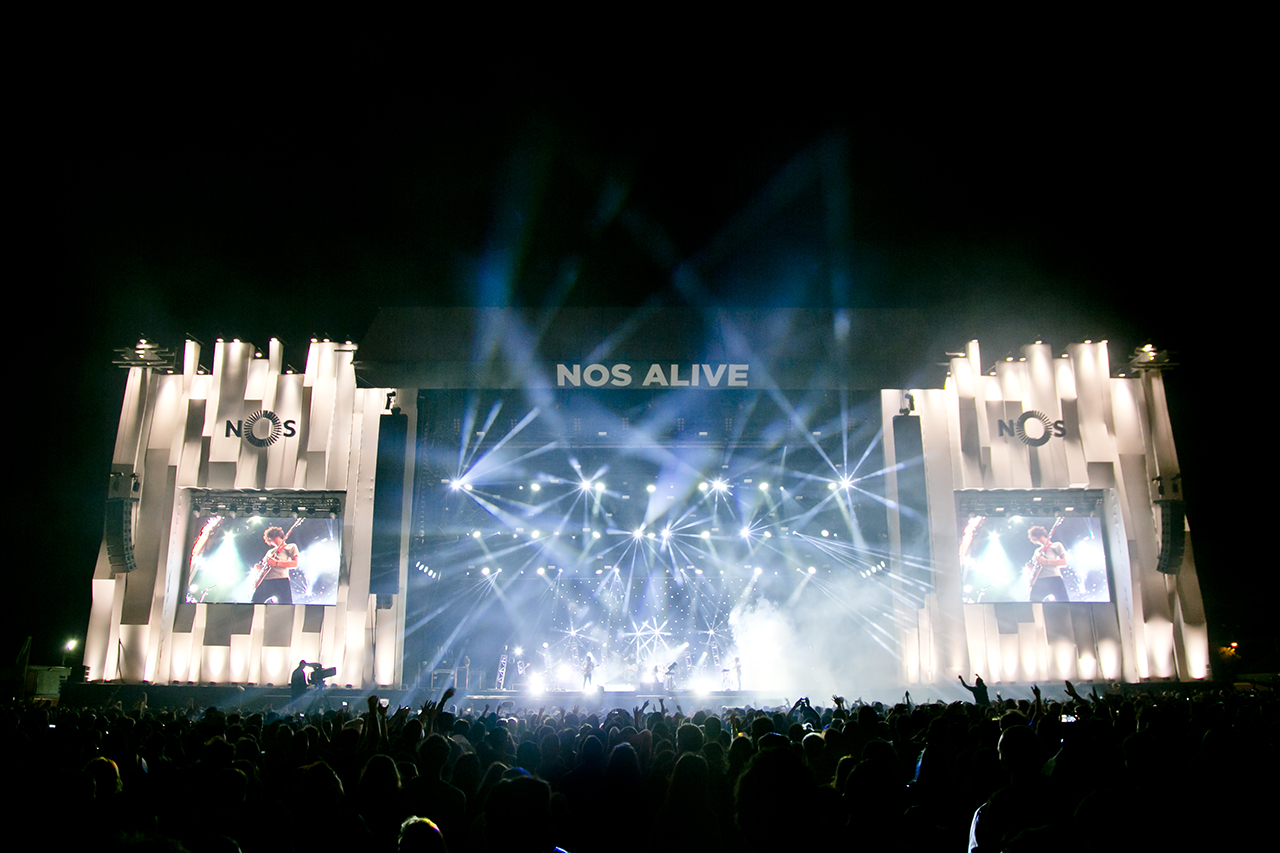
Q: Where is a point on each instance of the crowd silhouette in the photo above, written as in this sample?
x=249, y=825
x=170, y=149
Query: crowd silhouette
x=1078, y=771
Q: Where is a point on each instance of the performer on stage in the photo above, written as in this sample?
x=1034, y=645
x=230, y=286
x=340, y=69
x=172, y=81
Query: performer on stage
x=588, y=666
x=737, y=671
x=1046, y=567
x=280, y=558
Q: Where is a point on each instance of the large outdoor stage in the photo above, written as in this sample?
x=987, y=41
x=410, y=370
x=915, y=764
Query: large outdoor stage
x=674, y=503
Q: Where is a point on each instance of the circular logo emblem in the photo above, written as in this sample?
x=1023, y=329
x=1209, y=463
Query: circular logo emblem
x=1046, y=429
x=270, y=425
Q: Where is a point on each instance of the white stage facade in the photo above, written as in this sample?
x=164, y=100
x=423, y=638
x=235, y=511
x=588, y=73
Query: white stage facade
x=503, y=494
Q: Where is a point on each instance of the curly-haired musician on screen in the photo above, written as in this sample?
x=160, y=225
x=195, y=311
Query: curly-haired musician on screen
x=280, y=558
x=1046, y=567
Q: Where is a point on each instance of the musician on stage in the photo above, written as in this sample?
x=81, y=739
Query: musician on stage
x=280, y=558
x=1046, y=567
x=588, y=666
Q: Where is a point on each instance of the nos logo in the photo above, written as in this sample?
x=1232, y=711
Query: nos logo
x=262, y=429
x=1047, y=429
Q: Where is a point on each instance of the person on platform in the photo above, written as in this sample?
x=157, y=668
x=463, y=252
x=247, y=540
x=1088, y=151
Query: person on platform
x=281, y=556
x=1047, y=564
x=979, y=690
x=588, y=667
x=737, y=671
x=298, y=680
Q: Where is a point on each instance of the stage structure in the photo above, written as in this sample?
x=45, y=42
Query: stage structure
x=644, y=501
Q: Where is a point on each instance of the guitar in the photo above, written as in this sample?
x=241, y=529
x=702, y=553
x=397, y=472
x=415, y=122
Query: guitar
x=261, y=566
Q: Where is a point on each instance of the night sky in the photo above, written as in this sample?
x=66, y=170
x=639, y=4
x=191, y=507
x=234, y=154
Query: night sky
x=1007, y=210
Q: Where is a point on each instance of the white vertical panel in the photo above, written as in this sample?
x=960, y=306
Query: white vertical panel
x=1010, y=662
x=215, y=665
x=406, y=515
x=904, y=615
x=191, y=438
x=320, y=378
x=970, y=422
x=258, y=383
x=352, y=671
x=257, y=630
x=959, y=467
x=1073, y=451
x=384, y=660
x=1030, y=652
x=994, y=646
x=951, y=654
x=1042, y=396
x=928, y=673
x=132, y=414
x=975, y=632
x=179, y=657
x=132, y=651
x=190, y=364
x=226, y=400
x=238, y=664
x=170, y=591
x=276, y=664
x=100, y=636
x=282, y=457
x=344, y=413
x=1093, y=396
x=306, y=647
x=197, y=643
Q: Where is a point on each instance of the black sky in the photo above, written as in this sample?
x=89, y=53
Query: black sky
x=1004, y=209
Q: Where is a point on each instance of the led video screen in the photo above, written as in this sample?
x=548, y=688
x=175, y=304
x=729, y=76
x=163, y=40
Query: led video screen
x=263, y=560
x=1032, y=558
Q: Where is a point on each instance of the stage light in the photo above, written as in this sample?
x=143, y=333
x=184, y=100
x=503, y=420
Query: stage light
x=537, y=533
x=639, y=534
x=534, y=487
x=585, y=485
x=720, y=486
x=846, y=482
x=764, y=487
x=826, y=533
x=595, y=534
x=812, y=570
x=768, y=535
x=666, y=531
x=599, y=485
x=702, y=487
x=759, y=570
x=650, y=534
x=519, y=651
x=746, y=533
x=485, y=571
x=71, y=644
x=831, y=487
x=466, y=486
x=651, y=488
x=475, y=534
x=706, y=534
x=542, y=571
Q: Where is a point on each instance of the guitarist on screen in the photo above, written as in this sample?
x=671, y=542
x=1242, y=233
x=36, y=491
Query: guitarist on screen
x=1046, y=566
x=273, y=582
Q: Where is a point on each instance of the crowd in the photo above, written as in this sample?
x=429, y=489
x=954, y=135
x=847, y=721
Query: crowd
x=1074, y=771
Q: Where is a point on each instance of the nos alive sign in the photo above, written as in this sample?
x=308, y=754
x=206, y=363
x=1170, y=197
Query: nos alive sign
x=657, y=375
